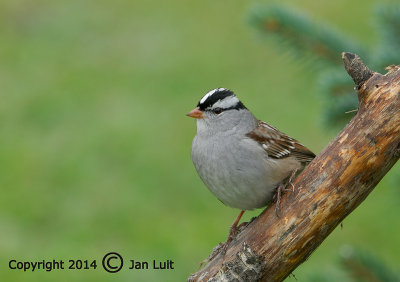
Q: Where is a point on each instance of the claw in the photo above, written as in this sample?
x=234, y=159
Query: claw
x=291, y=177
x=278, y=198
x=281, y=188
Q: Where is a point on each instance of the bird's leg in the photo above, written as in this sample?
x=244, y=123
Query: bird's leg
x=281, y=188
x=232, y=232
x=291, y=178
x=278, y=198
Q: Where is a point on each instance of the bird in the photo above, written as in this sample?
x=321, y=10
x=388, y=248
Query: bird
x=243, y=161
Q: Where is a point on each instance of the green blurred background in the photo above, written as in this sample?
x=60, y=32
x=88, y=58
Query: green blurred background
x=95, y=145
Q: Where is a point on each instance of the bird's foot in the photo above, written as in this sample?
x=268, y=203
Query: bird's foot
x=234, y=230
x=278, y=198
x=282, y=188
x=292, y=175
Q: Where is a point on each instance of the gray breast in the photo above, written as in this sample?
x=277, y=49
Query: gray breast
x=235, y=170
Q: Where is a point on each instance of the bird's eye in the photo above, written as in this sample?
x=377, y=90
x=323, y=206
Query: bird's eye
x=217, y=111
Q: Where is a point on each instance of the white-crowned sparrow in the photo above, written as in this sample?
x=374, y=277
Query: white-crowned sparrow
x=241, y=159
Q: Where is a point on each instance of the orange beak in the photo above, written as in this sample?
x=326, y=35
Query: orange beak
x=196, y=113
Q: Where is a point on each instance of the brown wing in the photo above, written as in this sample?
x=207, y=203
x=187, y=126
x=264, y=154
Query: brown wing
x=278, y=145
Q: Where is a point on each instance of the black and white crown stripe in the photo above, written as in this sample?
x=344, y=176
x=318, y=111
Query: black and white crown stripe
x=221, y=98
x=211, y=92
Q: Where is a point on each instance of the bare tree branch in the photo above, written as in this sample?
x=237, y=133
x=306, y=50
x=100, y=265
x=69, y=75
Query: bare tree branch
x=328, y=190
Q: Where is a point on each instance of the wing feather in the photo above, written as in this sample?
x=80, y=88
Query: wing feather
x=278, y=145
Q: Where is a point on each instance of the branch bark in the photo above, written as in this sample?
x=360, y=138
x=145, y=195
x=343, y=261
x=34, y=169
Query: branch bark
x=328, y=190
